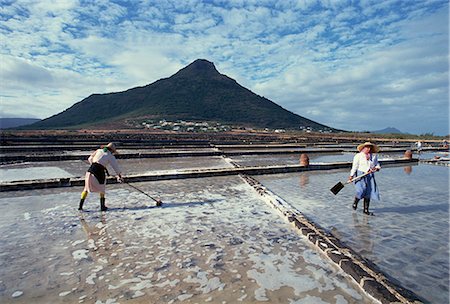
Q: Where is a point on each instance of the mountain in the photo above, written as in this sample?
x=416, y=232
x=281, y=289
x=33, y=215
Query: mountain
x=196, y=92
x=388, y=130
x=6, y=123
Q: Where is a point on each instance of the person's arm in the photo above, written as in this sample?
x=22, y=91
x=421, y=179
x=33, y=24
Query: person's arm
x=355, y=166
x=115, y=166
x=91, y=158
x=376, y=164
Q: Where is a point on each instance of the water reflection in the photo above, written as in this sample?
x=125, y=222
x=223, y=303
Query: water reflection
x=361, y=234
x=407, y=169
x=100, y=243
x=93, y=230
x=304, y=180
x=363, y=231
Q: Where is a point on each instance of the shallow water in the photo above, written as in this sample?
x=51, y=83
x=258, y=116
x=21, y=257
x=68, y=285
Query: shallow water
x=32, y=173
x=408, y=237
x=294, y=159
x=214, y=240
x=77, y=168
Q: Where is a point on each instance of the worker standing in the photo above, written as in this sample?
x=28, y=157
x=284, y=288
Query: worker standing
x=95, y=178
x=419, y=146
x=366, y=161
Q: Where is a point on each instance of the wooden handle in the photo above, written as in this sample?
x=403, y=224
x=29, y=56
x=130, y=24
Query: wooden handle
x=358, y=177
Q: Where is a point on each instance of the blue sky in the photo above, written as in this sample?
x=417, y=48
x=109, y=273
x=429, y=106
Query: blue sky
x=353, y=65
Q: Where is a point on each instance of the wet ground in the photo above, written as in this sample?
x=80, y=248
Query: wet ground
x=408, y=238
x=214, y=240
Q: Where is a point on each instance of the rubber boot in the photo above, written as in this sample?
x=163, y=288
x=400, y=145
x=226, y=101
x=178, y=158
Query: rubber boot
x=355, y=203
x=102, y=204
x=366, y=206
x=80, y=207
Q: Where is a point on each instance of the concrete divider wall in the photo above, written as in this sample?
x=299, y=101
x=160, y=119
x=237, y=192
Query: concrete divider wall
x=198, y=173
x=62, y=157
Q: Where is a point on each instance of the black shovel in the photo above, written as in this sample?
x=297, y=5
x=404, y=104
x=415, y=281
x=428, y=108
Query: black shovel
x=339, y=186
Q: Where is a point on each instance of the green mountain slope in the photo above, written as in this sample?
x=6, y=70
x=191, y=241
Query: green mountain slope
x=196, y=92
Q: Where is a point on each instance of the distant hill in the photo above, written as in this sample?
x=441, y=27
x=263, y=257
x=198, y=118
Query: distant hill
x=6, y=123
x=388, y=130
x=196, y=92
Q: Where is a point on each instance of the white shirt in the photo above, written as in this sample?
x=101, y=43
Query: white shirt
x=361, y=163
x=104, y=159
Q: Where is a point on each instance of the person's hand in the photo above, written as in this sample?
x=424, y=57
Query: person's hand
x=350, y=178
x=120, y=179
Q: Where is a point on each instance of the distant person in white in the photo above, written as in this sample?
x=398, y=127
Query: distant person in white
x=419, y=146
x=95, y=178
x=366, y=161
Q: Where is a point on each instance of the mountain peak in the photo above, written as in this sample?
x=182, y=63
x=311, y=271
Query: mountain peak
x=199, y=67
x=198, y=92
x=202, y=64
x=388, y=130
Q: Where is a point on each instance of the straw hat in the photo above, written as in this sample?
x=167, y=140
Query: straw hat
x=374, y=147
x=111, y=147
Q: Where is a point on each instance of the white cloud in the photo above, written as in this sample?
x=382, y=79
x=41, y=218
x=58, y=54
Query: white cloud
x=393, y=82
x=322, y=64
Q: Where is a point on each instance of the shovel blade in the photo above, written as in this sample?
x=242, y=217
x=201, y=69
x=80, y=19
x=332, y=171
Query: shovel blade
x=336, y=188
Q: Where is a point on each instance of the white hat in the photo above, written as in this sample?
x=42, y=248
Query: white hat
x=374, y=147
x=111, y=147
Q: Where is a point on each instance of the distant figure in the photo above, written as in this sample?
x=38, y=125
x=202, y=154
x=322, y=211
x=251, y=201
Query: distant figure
x=95, y=178
x=444, y=143
x=419, y=146
x=366, y=161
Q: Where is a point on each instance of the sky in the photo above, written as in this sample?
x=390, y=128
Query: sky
x=351, y=65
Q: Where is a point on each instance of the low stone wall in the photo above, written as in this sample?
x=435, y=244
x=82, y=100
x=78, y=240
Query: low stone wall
x=199, y=173
x=436, y=162
x=392, y=150
x=158, y=154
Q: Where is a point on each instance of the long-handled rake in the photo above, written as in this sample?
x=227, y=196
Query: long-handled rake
x=157, y=200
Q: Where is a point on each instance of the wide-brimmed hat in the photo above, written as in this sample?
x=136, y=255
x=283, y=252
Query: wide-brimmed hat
x=111, y=147
x=374, y=147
